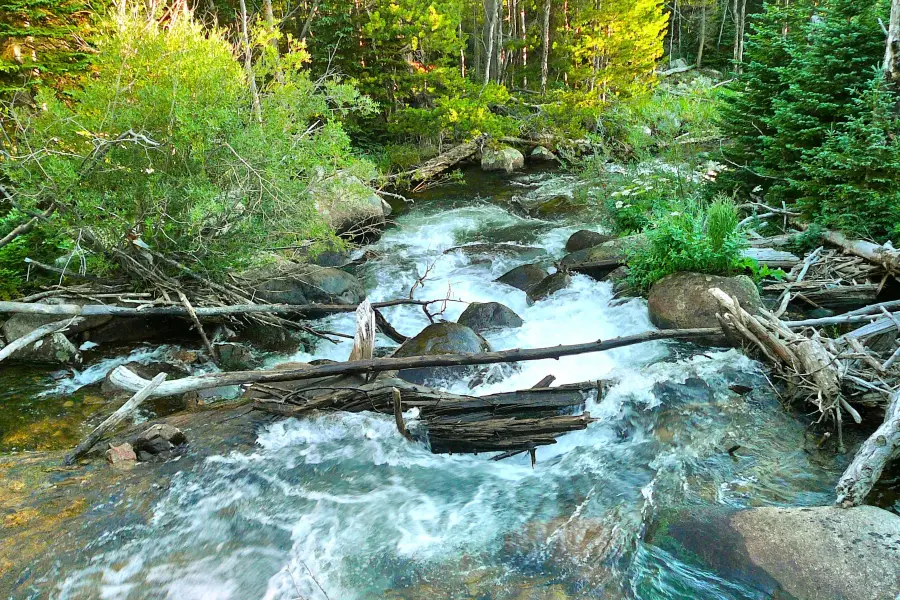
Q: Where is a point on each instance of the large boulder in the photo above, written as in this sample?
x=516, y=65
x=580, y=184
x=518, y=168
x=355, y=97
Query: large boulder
x=523, y=277
x=600, y=261
x=54, y=348
x=584, y=239
x=542, y=153
x=482, y=316
x=348, y=205
x=295, y=283
x=436, y=339
x=549, y=286
x=504, y=158
x=683, y=301
x=803, y=553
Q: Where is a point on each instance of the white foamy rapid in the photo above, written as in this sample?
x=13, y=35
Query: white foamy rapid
x=342, y=504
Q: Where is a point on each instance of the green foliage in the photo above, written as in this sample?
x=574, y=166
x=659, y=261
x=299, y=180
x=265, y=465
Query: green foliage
x=161, y=142
x=42, y=40
x=690, y=237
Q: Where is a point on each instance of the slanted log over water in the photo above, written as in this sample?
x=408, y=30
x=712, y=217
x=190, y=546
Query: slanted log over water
x=875, y=453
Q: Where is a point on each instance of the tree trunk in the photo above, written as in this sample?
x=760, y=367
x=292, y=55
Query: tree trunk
x=702, y=42
x=490, y=23
x=740, y=17
x=545, y=48
x=309, y=19
x=892, y=47
x=248, y=64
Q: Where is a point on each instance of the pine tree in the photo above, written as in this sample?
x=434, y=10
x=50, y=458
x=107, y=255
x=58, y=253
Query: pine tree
x=42, y=40
x=853, y=181
x=845, y=43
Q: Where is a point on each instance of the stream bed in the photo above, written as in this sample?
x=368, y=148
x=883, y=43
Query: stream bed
x=341, y=506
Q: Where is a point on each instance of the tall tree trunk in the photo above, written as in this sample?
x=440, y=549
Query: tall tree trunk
x=702, y=42
x=892, y=47
x=248, y=63
x=672, y=32
x=490, y=23
x=545, y=47
x=309, y=19
x=740, y=17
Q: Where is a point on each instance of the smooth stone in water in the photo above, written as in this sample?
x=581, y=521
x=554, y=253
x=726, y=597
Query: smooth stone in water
x=348, y=205
x=542, y=153
x=804, y=553
x=584, y=239
x=505, y=158
x=436, y=339
x=683, y=301
x=523, y=277
x=481, y=316
x=600, y=261
x=549, y=286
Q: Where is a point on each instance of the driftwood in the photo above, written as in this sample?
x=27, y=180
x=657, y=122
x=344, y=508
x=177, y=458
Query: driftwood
x=114, y=419
x=774, y=259
x=875, y=453
x=886, y=257
x=453, y=423
x=35, y=335
x=125, y=379
x=364, y=340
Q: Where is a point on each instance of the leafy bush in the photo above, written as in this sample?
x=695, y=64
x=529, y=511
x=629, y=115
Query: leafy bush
x=162, y=142
x=693, y=238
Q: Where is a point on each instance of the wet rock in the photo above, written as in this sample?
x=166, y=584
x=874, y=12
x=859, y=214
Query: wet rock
x=544, y=207
x=270, y=338
x=123, y=330
x=622, y=288
x=682, y=300
x=349, y=206
x=549, y=286
x=295, y=283
x=584, y=239
x=802, y=553
x=481, y=316
x=600, y=261
x=505, y=158
x=542, y=153
x=121, y=455
x=436, y=339
x=158, y=441
x=523, y=277
x=235, y=357
x=485, y=253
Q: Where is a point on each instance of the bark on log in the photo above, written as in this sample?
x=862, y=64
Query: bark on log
x=114, y=419
x=35, y=335
x=364, y=340
x=888, y=258
x=125, y=379
x=439, y=164
x=875, y=453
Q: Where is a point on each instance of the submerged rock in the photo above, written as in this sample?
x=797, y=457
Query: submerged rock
x=295, y=283
x=481, y=316
x=505, y=158
x=489, y=251
x=802, y=553
x=683, y=301
x=436, y=339
x=584, y=239
x=523, y=277
x=549, y=286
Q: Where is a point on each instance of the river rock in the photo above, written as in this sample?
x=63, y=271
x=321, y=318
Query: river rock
x=505, y=158
x=542, y=153
x=481, y=316
x=235, y=357
x=683, y=301
x=295, y=283
x=549, y=286
x=348, y=205
x=802, y=553
x=523, y=277
x=487, y=252
x=158, y=441
x=121, y=455
x=436, y=339
x=600, y=261
x=584, y=239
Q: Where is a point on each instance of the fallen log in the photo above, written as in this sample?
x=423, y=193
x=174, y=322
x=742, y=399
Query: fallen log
x=437, y=165
x=114, y=419
x=875, y=453
x=35, y=335
x=886, y=257
x=125, y=379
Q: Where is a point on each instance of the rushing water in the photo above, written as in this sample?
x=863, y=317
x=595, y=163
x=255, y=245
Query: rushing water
x=341, y=505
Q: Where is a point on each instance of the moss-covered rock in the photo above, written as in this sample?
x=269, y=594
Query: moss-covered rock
x=523, y=277
x=584, y=239
x=505, y=158
x=549, y=286
x=436, y=339
x=481, y=316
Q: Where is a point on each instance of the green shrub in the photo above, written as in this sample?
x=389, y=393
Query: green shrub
x=689, y=238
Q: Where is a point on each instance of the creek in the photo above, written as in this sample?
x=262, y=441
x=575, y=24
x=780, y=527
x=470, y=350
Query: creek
x=341, y=504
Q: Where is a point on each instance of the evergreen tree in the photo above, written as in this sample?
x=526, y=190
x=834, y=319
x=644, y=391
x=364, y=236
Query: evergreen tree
x=853, y=181
x=41, y=40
